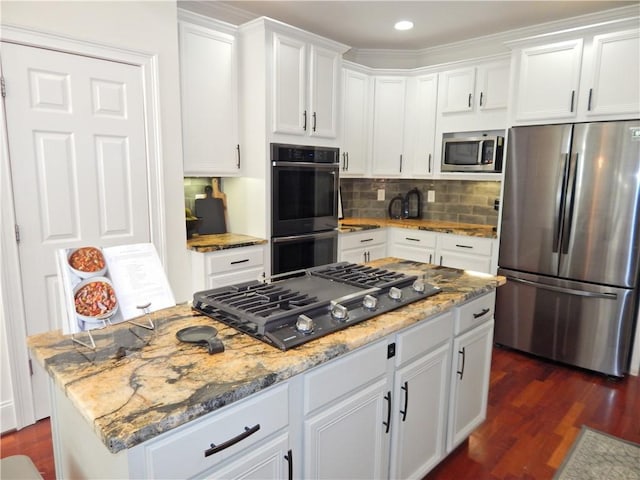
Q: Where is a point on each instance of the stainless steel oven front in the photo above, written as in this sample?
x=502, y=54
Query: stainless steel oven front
x=297, y=252
x=304, y=182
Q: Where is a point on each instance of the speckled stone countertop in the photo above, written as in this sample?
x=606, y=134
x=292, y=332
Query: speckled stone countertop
x=468, y=229
x=222, y=241
x=139, y=383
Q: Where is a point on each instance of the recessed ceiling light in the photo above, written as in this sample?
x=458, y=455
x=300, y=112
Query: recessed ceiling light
x=403, y=25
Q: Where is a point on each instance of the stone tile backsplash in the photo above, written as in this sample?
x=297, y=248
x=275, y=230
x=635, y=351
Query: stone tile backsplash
x=462, y=201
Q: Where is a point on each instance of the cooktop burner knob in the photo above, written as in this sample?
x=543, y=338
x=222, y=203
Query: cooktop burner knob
x=395, y=293
x=339, y=312
x=418, y=286
x=369, y=302
x=304, y=324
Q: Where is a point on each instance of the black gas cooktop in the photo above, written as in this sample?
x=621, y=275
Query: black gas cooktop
x=301, y=306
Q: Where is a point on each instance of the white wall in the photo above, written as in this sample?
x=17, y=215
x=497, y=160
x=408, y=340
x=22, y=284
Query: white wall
x=145, y=26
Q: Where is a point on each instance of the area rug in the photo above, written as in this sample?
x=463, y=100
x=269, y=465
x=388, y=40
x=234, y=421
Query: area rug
x=600, y=456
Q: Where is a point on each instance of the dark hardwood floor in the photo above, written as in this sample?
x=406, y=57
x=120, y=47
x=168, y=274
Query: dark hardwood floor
x=535, y=412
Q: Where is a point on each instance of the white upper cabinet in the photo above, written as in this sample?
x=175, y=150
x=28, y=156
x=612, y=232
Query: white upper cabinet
x=613, y=79
x=208, y=85
x=305, y=96
x=458, y=87
x=548, y=82
x=474, y=97
x=388, y=126
x=420, y=126
x=355, y=123
x=587, y=78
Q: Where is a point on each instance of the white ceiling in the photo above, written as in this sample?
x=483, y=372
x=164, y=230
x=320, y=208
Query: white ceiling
x=369, y=24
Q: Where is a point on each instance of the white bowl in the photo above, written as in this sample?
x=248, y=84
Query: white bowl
x=90, y=253
x=96, y=307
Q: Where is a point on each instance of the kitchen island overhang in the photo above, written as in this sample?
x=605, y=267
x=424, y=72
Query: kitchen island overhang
x=138, y=384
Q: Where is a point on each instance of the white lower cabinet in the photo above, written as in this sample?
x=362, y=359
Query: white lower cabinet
x=226, y=267
x=416, y=245
x=468, y=253
x=244, y=440
x=360, y=247
x=264, y=461
x=421, y=392
x=470, y=368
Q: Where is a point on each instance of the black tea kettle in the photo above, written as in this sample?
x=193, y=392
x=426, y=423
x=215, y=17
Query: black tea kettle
x=409, y=206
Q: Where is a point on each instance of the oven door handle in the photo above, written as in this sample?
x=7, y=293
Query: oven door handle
x=307, y=236
x=327, y=166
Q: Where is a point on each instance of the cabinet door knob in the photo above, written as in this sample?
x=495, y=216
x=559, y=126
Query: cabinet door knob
x=387, y=424
x=573, y=96
x=481, y=95
x=232, y=441
x=469, y=103
x=314, y=122
x=589, y=102
x=405, y=387
x=304, y=125
x=461, y=371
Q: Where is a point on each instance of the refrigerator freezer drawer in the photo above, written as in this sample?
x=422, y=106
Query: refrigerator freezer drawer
x=585, y=325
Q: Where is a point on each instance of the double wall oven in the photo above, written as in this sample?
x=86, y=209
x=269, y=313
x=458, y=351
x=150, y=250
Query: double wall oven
x=304, y=206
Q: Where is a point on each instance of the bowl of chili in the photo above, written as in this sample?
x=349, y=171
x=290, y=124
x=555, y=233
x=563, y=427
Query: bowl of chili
x=87, y=262
x=95, y=299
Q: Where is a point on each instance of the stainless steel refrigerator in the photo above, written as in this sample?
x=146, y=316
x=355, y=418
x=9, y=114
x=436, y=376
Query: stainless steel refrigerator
x=570, y=243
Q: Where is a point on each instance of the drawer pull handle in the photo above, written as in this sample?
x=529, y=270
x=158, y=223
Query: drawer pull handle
x=387, y=424
x=366, y=240
x=217, y=448
x=463, y=246
x=461, y=371
x=405, y=387
x=482, y=313
x=412, y=239
x=235, y=262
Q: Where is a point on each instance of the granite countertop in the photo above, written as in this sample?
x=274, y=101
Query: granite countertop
x=221, y=241
x=139, y=383
x=469, y=229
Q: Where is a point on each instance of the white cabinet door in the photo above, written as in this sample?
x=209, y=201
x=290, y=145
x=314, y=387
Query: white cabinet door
x=548, y=81
x=289, y=100
x=208, y=86
x=355, y=123
x=492, y=90
x=324, y=74
x=421, y=125
x=458, y=87
x=420, y=414
x=467, y=253
x=464, y=261
x=388, y=126
x=416, y=245
x=470, y=368
x=614, y=80
x=351, y=438
x=268, y=460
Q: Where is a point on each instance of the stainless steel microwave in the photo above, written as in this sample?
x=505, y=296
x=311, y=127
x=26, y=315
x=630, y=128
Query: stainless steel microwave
x=472, y=154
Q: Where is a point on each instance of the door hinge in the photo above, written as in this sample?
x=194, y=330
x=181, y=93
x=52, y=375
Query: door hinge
x=30, y=367
x=17, y=229
x=3, y=87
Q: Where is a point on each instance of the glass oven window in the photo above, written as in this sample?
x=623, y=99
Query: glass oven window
x=303, y=253
x=305, y=193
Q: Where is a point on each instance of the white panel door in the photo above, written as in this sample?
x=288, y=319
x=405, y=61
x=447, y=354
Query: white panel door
x=289, y=96
x=610, y=91
x=388, y=126
x=78, y=158
x=324, y=66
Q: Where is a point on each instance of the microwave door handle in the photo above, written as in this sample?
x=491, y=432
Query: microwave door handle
x=480, y=152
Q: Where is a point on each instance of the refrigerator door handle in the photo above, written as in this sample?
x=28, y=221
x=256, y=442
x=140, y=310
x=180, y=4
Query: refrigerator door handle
x=569, y=291
x=560, y=202
x=570, y=199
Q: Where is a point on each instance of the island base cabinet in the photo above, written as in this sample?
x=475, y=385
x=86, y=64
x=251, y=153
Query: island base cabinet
x=470, y=371
x=350, y=439
x=271, y=460
x=420, y=414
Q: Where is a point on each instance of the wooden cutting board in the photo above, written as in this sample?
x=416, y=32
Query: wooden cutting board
x=212, y=211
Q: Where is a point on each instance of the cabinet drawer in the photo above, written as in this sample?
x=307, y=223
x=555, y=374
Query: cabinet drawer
x=412, y=237
x=475, y=312
x=362, y=239
x=329, y=382
x=423, y=337
x=464, y=244
x=234, y=259
x=231, y=278
x=182, y=453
